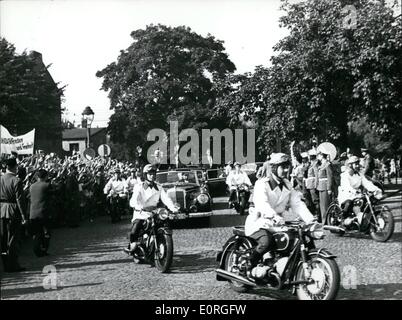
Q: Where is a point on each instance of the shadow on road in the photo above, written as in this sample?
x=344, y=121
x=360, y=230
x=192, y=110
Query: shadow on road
x=91, y=263
x=372, y=291
x=193, y=263
x=216, y=221
x=15, y=293
x=396, y=237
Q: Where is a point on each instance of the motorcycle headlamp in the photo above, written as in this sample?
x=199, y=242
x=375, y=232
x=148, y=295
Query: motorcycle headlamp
x=163, y=214
x=317, y=231
x=202, y=198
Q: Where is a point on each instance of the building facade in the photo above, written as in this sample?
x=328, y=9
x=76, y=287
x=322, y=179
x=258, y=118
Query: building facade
x=76, y=139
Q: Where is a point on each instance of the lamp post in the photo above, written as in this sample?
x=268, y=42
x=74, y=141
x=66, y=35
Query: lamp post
x=88, y=115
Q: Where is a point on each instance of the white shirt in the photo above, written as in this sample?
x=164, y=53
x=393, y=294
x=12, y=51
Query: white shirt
x=131, y=182
x=271, y=204
x=350, y=185
x=148, y=197
x=228, y=170
x=235, y=179
x=116, y=186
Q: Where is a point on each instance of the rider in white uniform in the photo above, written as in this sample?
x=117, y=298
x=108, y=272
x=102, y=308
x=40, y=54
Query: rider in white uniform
x=352, y=182
x=145, y=198
x=273, y=195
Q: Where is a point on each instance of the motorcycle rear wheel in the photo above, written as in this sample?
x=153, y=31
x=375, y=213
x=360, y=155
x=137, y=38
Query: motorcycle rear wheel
x=228, y=263
x=164, y=256
x=327, y=278
x=386, y=217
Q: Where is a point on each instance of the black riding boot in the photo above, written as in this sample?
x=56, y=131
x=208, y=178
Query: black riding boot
x=254, y=258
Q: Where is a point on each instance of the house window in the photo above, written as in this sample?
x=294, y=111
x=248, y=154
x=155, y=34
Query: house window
x=74, y=147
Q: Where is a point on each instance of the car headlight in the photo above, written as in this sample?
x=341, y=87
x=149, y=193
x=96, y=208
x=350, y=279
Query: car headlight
x=202, y=198
x=163, y=214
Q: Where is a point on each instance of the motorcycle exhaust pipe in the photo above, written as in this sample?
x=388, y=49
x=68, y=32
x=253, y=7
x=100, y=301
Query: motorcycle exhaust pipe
x=232, y=276
x=334, y=229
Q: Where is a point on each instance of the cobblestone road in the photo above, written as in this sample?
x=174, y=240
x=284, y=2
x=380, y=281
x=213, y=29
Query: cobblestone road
x=89, y=264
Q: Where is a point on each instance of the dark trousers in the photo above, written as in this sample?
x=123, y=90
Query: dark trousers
x=324, y=203
x=10, y=231
x=233, y=197
x=41, y=236
x=347, y=207
x=264, y=239
x=314, y=205
x=135, y=229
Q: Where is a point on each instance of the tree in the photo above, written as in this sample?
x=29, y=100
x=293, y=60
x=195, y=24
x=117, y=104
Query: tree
x=326, y=73
x=28, y=95
x=165, y=74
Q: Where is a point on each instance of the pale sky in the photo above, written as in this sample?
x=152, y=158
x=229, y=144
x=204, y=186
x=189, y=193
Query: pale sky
x=81, y=37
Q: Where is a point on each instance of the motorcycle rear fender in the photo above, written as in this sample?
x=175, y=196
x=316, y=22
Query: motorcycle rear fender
x=166, y=231
x=321, y=252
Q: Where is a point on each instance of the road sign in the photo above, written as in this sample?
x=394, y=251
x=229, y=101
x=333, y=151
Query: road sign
x=104, y=150
x=89, y=153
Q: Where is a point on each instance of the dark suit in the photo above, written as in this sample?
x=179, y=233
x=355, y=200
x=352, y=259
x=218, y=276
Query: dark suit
x=39, y=193
x=325, y=183
x=11, y=211
x=72, y=200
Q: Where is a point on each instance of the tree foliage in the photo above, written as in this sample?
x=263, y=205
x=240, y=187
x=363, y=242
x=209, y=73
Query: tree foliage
x=28, y=95
x=165, y=74
x=326, y=73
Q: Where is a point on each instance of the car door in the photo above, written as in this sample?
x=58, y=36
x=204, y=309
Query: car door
x=216, y=182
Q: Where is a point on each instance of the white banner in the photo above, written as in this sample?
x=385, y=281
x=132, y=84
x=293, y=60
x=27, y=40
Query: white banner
x=23, y=144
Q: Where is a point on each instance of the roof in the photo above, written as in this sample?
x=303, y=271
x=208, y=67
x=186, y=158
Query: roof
x=79, y=133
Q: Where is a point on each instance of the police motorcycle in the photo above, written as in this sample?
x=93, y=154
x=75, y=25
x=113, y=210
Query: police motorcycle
x=296, y=263
x=368, y=216
x=240, y=203
x=117, y=205
x=155, y=241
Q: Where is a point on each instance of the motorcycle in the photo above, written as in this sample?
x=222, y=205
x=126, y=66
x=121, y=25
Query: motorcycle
x=156, y=241
x=242, y=196
x=117, y=205
x=368, y=216
x=297, y=265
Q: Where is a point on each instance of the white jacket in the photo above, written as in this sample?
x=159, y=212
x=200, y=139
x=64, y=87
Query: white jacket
x=234, y=179
x=117, y=186
x=271, y=204
x=144, y=196
x=350, y=185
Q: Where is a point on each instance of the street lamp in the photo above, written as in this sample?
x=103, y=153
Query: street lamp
x=88, y=115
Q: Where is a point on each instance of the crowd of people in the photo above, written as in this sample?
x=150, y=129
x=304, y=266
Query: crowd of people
x=318, y=177
x=47, y=191
x=41, y=192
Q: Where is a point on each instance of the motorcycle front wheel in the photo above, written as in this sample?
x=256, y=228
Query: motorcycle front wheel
x=164, y=252
x=326, y=280
x=383, y=230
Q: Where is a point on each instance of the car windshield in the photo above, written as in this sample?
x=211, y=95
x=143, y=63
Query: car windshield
x=176, y=177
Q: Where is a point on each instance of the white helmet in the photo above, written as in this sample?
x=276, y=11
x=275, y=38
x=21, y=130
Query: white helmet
x=353, y=159
x=278, y=158
x=304, y=155
x=148, y=168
